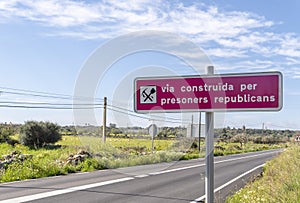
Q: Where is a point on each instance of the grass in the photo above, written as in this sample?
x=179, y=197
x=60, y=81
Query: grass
x=280, y=181
x=117, y=152
x=222, y=149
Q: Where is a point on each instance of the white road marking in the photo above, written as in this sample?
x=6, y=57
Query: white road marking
x=141, y=176
x=82, y=173
x=176, y=169
x=64, y=191
x=216, y=162
x=228, y=183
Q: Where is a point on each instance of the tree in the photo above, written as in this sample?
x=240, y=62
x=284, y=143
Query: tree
x=39, y=134
x=115, y=131
x=52, y=134
x=241, y=138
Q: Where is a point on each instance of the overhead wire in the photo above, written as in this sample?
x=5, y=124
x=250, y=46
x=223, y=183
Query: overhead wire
x=24, y=92
x=46, y=107
x=166, y=117
x=50, y=104
x=147, y=118
x=69, y=106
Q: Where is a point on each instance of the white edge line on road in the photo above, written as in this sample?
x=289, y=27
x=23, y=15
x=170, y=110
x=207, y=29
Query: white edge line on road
x=228, y=183
x=64, y=191
x=216, y=162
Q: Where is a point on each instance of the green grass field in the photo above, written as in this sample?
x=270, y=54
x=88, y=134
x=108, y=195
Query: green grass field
x=117, y=152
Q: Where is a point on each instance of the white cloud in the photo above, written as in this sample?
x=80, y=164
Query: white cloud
x=198, y=20
x=224, y=34
x=292, y=61
x=226, y=53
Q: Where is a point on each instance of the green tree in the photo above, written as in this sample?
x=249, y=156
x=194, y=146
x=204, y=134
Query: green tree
x=39, y=134
x=241, y=138
x=115, y=131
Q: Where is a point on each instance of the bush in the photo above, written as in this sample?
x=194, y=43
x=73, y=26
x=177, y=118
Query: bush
x=39, y=134
x=5, y=132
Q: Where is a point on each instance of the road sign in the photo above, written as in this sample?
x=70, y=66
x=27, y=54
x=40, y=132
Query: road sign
x=152, y=130
x=209, y=93
x=227, y=92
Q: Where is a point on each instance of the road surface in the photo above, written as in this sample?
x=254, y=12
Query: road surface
x=181, y=181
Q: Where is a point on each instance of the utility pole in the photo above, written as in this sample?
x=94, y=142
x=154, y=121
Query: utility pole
x=192, y=125
x=104, y=120
x=199, y=140
x=209, y=157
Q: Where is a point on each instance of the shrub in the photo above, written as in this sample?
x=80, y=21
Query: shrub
x=5, y=132
x=39, y=134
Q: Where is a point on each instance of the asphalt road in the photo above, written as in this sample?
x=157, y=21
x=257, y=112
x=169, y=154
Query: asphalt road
x=181, y=181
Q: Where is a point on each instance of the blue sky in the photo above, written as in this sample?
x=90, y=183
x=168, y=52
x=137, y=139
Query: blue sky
x=45, y=44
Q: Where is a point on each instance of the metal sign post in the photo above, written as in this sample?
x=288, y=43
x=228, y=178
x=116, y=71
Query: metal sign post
x=209, y=156
x=153, y=132
x=199, y=136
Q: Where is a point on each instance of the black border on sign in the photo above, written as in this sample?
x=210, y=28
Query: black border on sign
x=280, y=93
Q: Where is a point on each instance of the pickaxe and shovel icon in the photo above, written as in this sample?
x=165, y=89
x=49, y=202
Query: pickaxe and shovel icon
x=148, y=96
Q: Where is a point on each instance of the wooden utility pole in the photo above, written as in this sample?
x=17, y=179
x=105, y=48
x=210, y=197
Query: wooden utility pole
x=104, y=120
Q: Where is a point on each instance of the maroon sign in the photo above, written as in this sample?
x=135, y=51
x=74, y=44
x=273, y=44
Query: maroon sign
x=235, y=92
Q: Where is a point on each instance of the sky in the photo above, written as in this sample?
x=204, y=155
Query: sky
x=45, y=45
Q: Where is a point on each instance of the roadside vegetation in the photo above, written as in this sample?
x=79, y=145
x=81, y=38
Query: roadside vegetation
x=280, y=181
x=41, y=149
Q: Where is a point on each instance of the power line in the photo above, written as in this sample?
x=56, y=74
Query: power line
x=144, y=117
x=24, y=92
x=128, y=110
x=32, y=91
x=69, y=106
x=50, y=96
x=53, y=106
x=48, y=103
x=47, y=107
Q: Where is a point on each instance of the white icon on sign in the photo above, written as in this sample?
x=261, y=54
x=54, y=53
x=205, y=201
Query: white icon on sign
x=148, y=94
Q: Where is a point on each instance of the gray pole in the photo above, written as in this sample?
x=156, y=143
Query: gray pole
x=104, y=120
x=153, y=132
x=199, y=140
x=192, y=125
x=152, y=136
x=209, y=157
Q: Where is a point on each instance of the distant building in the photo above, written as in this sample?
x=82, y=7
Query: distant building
x=113, y=125
x=194, y=131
